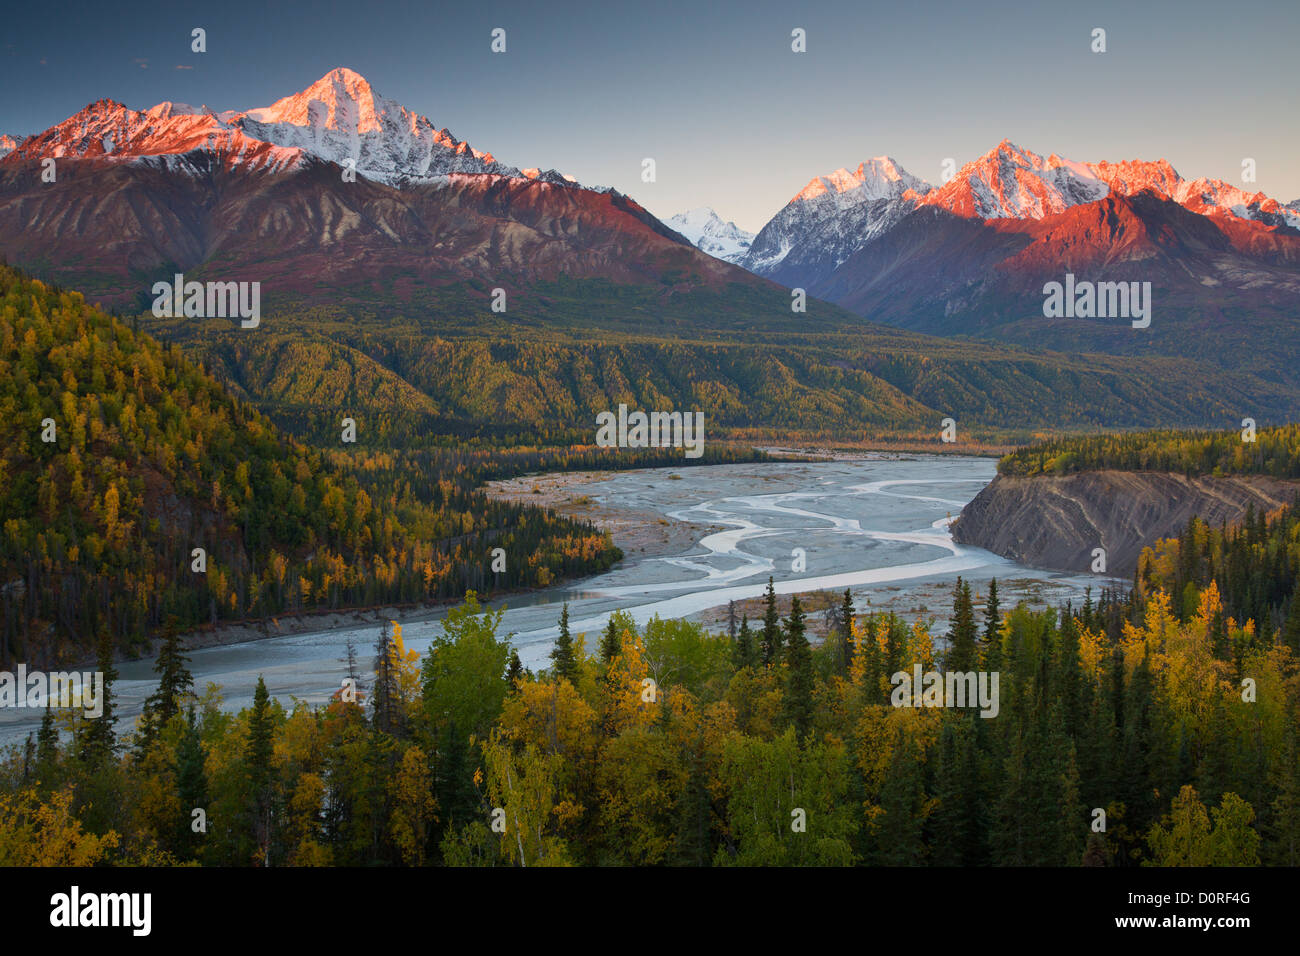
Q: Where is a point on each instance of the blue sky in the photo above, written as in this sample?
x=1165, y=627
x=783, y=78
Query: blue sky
x=712, y=91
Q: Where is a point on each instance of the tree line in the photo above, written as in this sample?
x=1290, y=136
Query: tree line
x=1123, y=738
x=1247, y=451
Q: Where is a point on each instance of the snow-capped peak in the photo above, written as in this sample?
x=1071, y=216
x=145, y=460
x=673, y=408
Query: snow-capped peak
x=1013, y=183
x=340, y=100
x=835, y=215
x=877, y=178
x=707, y=230
x=111, y=130
x=340, y=118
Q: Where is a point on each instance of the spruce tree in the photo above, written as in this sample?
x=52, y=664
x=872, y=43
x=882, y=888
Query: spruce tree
x=992, y=628
x=771, y=640
x=514, y=671
x=798, y=702
x=847, y=612
x=47, y=745
x=743, y=652
x=384, y=696
x=175, y=683
x=257, y=762
x=29, y=759
x=98, y=736
x=871, y=659
x=898, y=831
x=191, y=783
x=353, y=674
x=694, y=845
x=611, y=642
x=566, y=664
x=961, y=633
x=960, y=826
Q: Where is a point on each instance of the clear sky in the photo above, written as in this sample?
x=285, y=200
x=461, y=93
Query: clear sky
x=711, y=90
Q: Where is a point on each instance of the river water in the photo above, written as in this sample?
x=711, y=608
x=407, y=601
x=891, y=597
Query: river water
x=877, y=526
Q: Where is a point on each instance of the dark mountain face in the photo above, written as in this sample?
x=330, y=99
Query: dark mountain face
x=111, y=227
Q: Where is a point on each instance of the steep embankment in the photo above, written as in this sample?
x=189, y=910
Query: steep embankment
x=1056, y=522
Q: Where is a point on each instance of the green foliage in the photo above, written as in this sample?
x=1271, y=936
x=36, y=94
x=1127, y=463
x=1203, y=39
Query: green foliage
x=1118, y=705
x=153, y=459
x=1274, y=452
x=786, y=806
x=565, y=661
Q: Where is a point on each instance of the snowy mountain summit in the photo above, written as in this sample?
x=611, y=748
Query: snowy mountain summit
x=835, y=216
x=340, y=119
x=709, y=233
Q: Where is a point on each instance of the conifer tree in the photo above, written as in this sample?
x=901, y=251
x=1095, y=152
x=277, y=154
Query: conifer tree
x=694, y=847
x=175, y=683
x=514, y=670
x=191, y=783
x=98, y=736
x=566, y=664
x=257, y=761
x=771, y=640
x=992, y=628
x=611, y=643
x=961, y=633
x=47, y=745
x=384, y=696
x=743, y=652
x=898, y=831
x=869, y=649
x=847, y=613
x=798, y=700
x=353, y=674
x=960, y=826
x=1283, y=828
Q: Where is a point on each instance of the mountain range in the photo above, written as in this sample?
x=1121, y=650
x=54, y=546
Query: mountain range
x=381, y=242
x=971, y=257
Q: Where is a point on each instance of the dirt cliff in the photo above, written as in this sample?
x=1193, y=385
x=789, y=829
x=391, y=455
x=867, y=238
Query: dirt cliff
x=1056, y=522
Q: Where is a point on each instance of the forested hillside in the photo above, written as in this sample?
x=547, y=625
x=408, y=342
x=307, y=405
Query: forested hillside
x=1272, y=451
x=151, y=459
x=462, y=370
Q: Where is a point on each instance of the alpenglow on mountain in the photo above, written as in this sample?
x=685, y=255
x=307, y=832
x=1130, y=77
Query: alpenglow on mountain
x=340, y=118
x=268, y=193
x=974, y=256
x=836, y=215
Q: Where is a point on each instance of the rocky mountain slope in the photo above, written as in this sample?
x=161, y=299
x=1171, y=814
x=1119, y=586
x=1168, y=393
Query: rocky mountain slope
x=1056, y=522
